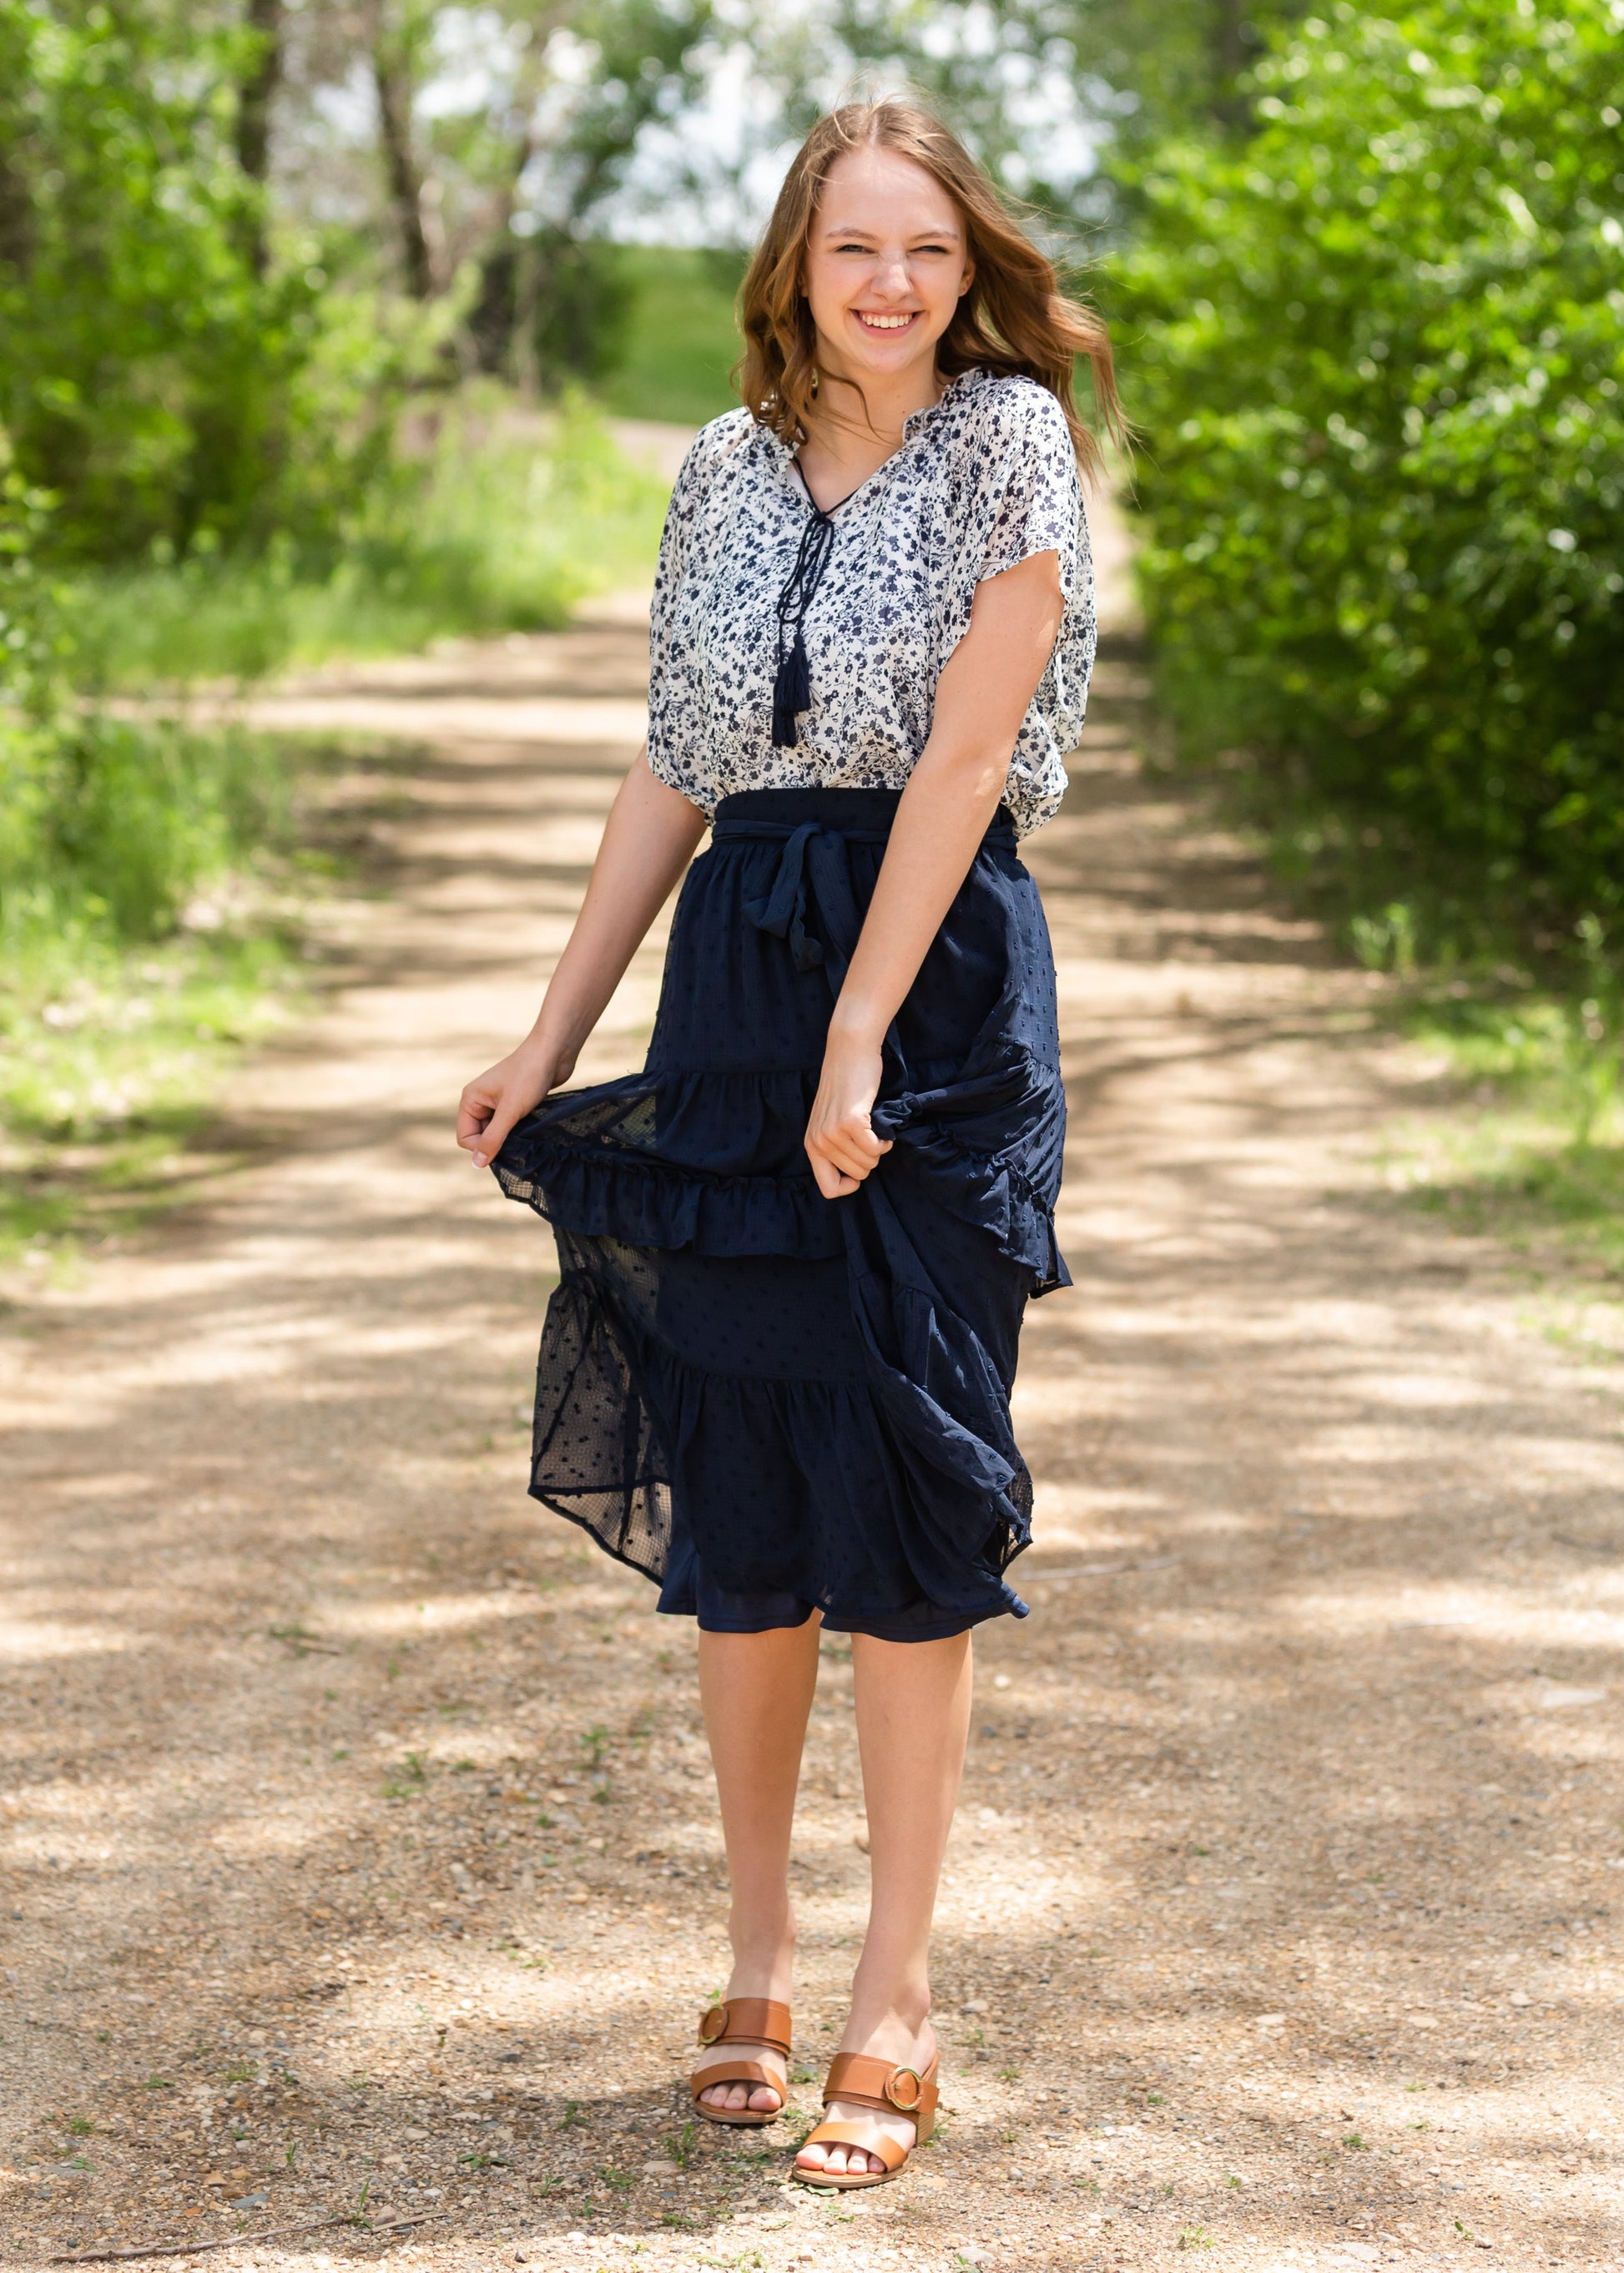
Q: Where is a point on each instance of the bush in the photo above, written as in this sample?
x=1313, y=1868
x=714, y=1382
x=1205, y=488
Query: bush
x=501, y=524
x=1378, y=366
x=157, y=377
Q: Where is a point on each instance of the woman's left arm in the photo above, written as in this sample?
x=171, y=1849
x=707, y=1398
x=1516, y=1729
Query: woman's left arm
x=953, y=793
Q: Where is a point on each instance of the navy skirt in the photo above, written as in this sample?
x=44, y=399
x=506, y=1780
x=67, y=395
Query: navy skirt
x=768, y=1401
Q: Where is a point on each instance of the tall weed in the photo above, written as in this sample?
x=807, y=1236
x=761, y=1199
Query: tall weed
x=500, y=525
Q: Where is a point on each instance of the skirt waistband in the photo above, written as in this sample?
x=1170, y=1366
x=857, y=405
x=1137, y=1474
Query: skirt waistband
x=862, y=816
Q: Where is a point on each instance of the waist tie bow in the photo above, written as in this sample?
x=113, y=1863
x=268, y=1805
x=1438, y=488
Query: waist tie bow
x=814, y=858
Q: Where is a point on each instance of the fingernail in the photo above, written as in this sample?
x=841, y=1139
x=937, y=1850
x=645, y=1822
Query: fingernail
x=479, y=1161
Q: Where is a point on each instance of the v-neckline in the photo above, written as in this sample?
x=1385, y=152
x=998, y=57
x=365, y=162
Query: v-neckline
x=828, y=512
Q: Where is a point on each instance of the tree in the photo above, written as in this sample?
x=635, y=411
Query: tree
x=1379, y=355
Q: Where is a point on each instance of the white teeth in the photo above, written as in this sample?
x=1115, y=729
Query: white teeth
x=885, y=322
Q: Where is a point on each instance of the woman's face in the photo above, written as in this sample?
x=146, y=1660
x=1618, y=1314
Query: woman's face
x=886, y=262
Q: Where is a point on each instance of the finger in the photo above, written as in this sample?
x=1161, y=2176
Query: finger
x=859, y=1136
x=475, y=1107
x=495, y=1134
x=849, y=1158
x=472, y=1120
x=830, y=1181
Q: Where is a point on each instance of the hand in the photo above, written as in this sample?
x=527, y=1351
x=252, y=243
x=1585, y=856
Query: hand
x=840, y=1141
x=492, y=1105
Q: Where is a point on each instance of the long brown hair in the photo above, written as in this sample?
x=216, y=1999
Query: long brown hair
x=1013, y=318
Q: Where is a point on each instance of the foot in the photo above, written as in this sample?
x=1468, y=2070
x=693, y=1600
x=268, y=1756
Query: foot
x=734, y=2098
x=905, y=2047
x=758, y=2098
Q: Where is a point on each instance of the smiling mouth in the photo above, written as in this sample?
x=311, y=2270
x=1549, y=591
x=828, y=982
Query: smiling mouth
x=877, y=323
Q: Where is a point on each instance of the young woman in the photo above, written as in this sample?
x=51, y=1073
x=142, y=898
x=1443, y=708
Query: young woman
x=795, y=1249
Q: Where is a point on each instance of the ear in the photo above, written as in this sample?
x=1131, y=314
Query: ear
x=967, y=278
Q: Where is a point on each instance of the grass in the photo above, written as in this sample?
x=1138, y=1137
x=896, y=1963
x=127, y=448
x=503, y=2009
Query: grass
x=681, y=339
x=152, y=875
x=1539, y=1158
x=150, y=881
x=1523, y=1017
x=503, y=521
x=109, y=1064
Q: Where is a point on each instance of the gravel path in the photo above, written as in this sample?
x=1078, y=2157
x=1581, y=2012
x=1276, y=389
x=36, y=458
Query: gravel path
x=360, y=1858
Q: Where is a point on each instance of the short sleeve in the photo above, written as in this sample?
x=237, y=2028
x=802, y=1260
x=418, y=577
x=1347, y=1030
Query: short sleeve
x=1033, y=501
x=677, y=740
x=1023, y=495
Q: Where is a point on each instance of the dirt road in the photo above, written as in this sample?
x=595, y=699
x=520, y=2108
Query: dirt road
x=359, y=1855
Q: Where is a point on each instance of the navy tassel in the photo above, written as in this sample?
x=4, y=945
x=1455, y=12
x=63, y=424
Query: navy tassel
x=791, y=693
x=791, y=683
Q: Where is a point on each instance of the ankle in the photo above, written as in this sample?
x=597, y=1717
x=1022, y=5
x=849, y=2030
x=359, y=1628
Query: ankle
x=898, y=2010
x=763, y=1951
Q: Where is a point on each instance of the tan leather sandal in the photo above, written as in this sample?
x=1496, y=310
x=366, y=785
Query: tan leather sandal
x=756, y=2021
x=862, y=2081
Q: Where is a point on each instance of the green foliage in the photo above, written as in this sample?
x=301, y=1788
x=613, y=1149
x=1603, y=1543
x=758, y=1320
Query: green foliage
x=108, y=1064
x=503, y=524
x=681, y=341
x=1377, y=354
x=154, y=379
x=1540, y=1159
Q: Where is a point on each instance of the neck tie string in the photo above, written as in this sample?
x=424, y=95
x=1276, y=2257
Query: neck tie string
x=791, y=684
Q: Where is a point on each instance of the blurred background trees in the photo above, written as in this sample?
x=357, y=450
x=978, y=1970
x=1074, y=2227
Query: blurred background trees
x=309, y=311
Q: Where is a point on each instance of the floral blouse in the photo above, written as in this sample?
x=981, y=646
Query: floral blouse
x=985, y=478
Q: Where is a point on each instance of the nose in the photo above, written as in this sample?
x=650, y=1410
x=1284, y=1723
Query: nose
x=892, y=276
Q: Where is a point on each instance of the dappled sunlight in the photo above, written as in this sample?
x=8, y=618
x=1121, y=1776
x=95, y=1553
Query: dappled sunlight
x=374, y=1804
x=25, y=1640
x=1497, y=1616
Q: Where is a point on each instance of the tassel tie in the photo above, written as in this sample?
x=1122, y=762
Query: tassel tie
x=791, y=684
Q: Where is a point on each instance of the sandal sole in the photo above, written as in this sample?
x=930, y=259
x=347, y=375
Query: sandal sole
x=740, y=2119
x=843, y=2185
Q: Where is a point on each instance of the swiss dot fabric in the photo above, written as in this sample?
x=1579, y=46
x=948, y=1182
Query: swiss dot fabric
x=766, y=1400
x=985, y=478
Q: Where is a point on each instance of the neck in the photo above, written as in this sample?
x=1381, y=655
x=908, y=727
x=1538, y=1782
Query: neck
x=852, y=434
x=885, y=404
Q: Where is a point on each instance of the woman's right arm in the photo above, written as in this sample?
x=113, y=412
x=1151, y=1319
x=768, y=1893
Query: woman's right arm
x=648, y=842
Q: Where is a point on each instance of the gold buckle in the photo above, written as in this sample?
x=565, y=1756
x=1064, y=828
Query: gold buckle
x=906, y=2106
x=707, y=2034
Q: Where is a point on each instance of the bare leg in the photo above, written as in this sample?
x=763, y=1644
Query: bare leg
x=912, y=1722
x=756, y=1690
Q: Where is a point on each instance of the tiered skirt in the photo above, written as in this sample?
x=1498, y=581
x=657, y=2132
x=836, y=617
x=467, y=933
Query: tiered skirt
x=756, y=1396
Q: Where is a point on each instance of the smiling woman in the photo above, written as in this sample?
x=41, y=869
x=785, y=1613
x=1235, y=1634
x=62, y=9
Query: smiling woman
x=797, y=1248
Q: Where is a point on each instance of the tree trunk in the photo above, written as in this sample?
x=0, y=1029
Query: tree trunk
x=17, y=227
x=1227, y=50
x=392, y=75
x=255, y=97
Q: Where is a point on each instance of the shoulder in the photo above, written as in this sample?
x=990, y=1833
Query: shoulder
x=1016, y=410
x=727, y=443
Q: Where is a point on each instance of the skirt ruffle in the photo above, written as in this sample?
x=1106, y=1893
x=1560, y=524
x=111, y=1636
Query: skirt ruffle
x=736, y=1374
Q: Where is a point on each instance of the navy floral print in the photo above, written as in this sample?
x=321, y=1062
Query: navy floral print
x=985, y=478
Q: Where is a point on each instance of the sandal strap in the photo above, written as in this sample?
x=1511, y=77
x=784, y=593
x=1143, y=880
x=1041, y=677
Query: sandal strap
x=868, y=2137
x=747, y=2020
x=740, y=2071
x=862, y=2081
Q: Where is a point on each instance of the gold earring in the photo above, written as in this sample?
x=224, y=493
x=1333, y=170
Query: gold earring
x=815, y=382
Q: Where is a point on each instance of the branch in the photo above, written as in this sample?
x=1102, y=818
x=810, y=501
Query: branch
x=231, y=2241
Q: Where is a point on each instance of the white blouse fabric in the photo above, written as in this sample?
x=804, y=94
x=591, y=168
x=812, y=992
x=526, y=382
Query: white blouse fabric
x=985, y=478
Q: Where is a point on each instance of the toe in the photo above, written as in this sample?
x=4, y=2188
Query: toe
x=813, y=2158
x=764, y=2100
